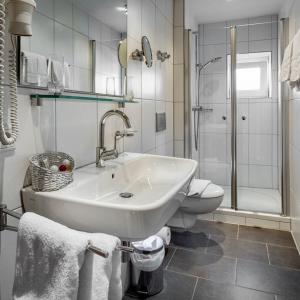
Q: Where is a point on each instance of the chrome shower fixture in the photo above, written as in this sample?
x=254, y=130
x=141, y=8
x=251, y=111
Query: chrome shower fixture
x=212, y=61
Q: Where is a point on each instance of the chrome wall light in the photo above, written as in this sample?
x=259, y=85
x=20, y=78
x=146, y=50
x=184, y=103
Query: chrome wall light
x=162, y=56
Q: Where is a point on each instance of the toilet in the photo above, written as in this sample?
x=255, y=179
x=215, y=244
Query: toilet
x=203, y=197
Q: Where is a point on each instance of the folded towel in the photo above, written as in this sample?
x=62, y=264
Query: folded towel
x=52, y=263
x=49, y=257
x=100, y=278
x=295, y=62
x=36, y=69
x=198, y=186
x=286, y=63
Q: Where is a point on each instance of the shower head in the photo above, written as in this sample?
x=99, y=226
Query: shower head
x=211, y=61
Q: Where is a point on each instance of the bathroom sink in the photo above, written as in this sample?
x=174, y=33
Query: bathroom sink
x=132, y=197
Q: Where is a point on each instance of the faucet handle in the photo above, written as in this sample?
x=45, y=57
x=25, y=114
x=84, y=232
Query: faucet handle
x=127, y=133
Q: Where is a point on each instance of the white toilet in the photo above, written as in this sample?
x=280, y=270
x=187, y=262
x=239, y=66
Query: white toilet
x=203, y=197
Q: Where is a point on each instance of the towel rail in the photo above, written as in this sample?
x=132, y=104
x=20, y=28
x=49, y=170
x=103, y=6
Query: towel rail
x=3, y=226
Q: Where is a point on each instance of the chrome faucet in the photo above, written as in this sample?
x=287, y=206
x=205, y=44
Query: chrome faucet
x=101, y=153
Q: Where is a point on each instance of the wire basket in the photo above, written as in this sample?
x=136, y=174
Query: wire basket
x=46, y=180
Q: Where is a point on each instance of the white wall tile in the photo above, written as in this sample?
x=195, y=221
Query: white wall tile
x=81, y=51
x=43, y=35
x=74, y=137
x=215, y=33
x=134, y=112
x=63, y=12
x=134, y=19
x=261, y=31
x=64, y=42
x=260, y=149
x=148, y=125
x=45, y=7
x=80, y=21
x=82, y=79
x=260, y=118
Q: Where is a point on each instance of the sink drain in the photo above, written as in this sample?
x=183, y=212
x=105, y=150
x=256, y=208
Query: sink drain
x=126, y=195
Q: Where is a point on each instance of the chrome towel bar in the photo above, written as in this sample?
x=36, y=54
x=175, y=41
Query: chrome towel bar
x=3, y=226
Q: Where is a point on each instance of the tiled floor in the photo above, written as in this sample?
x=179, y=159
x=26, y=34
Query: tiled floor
x=217, y=261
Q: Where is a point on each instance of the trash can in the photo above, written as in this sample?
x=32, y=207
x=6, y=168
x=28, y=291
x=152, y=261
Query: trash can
x=146, y=267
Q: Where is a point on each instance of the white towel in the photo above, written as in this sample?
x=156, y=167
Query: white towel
x=286, y=63
x=49, y=257
x=100, y=278
x=52, y=263
x=36, y=70
x=198, y=186
x=295, y=62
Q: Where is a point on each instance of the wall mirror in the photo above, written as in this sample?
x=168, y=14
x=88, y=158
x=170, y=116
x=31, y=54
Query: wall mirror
x=80, y=43
x=147, y=51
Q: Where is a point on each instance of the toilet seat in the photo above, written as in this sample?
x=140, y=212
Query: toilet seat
x=211, y=191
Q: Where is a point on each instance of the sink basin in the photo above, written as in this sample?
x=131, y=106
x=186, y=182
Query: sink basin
x=155, y=187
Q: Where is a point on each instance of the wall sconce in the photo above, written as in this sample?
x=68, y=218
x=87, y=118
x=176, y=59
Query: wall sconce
x=162, y=56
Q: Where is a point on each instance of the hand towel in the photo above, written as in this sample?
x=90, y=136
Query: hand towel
x=35, y=68
x=198, y=186
x=100, y=278
x=295, y=62
x=49, y=258
x=53, y=263
x=286, y=63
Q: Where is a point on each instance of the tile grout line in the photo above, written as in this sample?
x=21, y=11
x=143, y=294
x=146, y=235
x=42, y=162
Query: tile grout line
x=167, y=266
x=195, y=287
x=268, y=254
x=238, y=232
x=235, y=271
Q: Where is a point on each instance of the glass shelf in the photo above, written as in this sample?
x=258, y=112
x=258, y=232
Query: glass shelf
x=90, y=98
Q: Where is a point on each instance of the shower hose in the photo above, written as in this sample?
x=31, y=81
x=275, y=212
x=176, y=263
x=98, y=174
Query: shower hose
x=6, y=137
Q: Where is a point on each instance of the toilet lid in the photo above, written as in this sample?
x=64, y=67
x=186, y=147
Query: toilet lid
x=212, y=191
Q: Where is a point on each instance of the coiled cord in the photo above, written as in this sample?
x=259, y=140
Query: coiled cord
x=8, y=138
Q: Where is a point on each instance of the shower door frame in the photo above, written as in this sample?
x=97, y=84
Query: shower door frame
x=282, y=108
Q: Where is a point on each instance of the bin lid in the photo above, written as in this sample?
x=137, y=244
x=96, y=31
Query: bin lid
x=150, y=245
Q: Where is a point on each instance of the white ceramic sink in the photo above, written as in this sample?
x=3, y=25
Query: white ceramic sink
x=92, y=202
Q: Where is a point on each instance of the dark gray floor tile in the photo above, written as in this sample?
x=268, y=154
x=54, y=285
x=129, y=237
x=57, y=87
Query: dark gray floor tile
x=267, y=278
x=238, y=249
x=169, y=253
x=209, y=290
x=287, y=297
x=217, y=268
x=284, y=257
x=276, y=237
x=176, y=287
x=215, y=228
x=190, y=240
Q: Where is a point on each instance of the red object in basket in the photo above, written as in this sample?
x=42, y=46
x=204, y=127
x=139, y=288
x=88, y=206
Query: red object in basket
x=62, y=168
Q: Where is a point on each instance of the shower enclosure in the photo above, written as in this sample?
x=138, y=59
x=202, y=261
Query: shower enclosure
x=235, y=111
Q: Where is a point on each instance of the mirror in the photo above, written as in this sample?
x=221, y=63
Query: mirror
x=122, y=53
x=147, y=51
x=80, y=43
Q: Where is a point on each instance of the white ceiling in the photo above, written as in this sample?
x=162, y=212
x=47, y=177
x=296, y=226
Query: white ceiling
x=210, y=11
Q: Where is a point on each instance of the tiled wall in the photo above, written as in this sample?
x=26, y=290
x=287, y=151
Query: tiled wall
x=61, y=28
x=257, y=136
x=71, y=126
x=293, y=98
